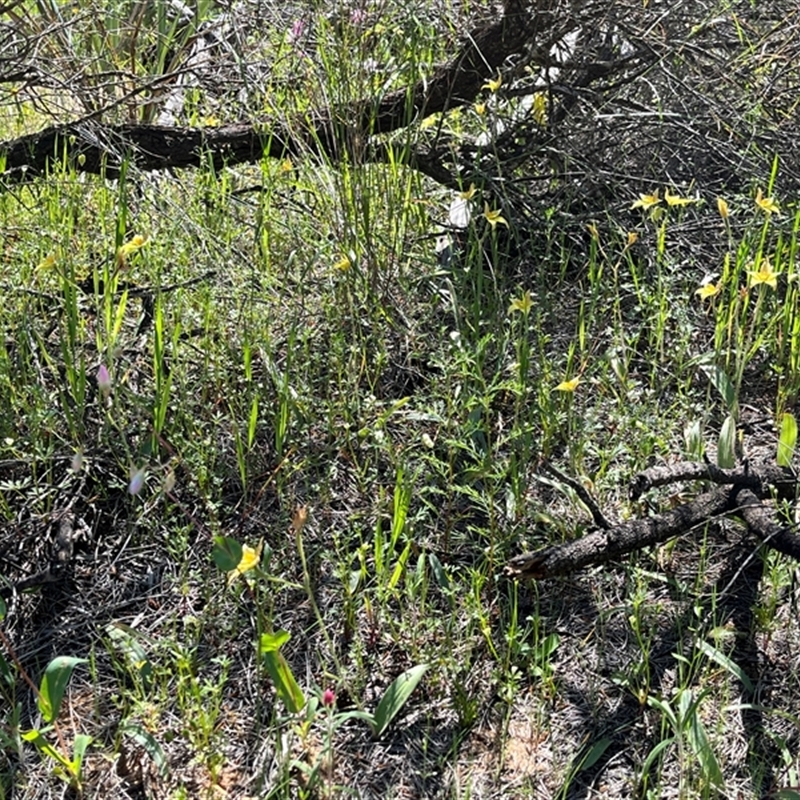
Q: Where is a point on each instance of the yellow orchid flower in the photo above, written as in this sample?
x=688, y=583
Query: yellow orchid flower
x=722, y=207
x=47, y=263
x=568, y=386
x=128, y=249
x=493, y=217
x=523, y=303
x=493, y=84
x=708, y=290
x=469, y=193
x=677, y=200
x=250, y=559
x=539, y=108
x=767, y=204
x=343, y=264
x=646, y=201
x=764, y=274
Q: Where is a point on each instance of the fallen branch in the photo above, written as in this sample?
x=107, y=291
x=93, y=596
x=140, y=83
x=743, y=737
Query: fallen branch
x=337, y=132
x=746, y=487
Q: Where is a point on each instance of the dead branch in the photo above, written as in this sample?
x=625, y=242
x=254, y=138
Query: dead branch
x=743, y=494
x=336, y=132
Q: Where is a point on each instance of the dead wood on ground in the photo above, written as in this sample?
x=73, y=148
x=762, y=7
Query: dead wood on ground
x=741, y=491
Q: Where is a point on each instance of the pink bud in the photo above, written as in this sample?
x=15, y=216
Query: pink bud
x=328, y=698
x=104, y=380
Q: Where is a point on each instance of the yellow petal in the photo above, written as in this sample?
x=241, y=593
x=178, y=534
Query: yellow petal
x=523, y=303
x=568, y=386
x=646, y=201
x=493, y=84
x=764, y=275
x=343, y=264
x=539, y=108
x=677, y=200
x=722, y=207
x=708, y=290
x=130, y=247
x=469, y=194
x=429, y=122
x=767, y=204
x=493, y=217
x=480, y=108
x=46, y=263
x=250, y=559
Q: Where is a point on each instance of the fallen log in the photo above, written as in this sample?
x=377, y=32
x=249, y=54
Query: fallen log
x=742, y=492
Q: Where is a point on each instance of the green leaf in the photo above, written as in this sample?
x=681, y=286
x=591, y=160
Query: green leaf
x=396, y=696
x=273, y=641
x=82, y=741
x=227, y=553
x=124, y=639
x=594, y=754
x=721, y=383
x=41, y=743
x=787, y=440
x=697, y=737
x=3, y=609
x=726, y=448
x=150, y=745
x=654, y=754
x=54, y=683
x=400, y=566
x=280, y=672
x=724, y=661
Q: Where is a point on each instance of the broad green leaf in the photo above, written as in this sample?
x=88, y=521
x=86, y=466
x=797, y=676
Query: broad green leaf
x=720, y=658
x=594, y=754
x=271, y=642
x=688, y=709
x=654, y=754
x=396, y=696
x=722, y=383
x=150, y=745
x=54, y=683
x=124, y=640
x=726, y=448
x=227, y=553
x=548, y=646
x=253, y=423
x=788, y=440
x=82, y=741
x=280, y=672
x=441, y=577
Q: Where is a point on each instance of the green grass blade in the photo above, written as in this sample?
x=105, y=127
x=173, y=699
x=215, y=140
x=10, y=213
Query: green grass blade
x=787, y=440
